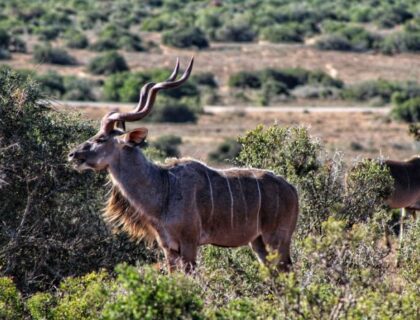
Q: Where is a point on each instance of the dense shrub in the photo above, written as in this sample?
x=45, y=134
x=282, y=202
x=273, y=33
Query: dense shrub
x=368, y=90
x=333, y=42
x=48, y=33
x=401, y=42
x=374, y=178
x=227, y=151
x=171, y=111
x=51, y=84
x=168, y=145
x=348, y=38
x=235, y=32
x=315, y=92
x=408, y=110
x=414, y=130
x=185, y=38
x=77, y=89
x=206, y=79
x=108, y=63
x=48, y=54
x=245, y=79
x=53, y=213
x=76, y=39
x=283, y=33
x=145, y=294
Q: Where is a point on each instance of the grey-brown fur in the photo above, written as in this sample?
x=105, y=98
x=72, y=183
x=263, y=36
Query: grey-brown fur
x=174, y=204
x=186, y=204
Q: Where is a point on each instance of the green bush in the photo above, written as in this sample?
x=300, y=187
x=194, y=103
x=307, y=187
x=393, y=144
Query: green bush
x=408, y=111
x=11, y=304
x=53, y=213
x=283, y=33
x=168, y=145
x=76, y=39
x=348, y=38
x=145, y=294
x=368, y=184
x=414, y=130
x=51, y=84
x=368, y=90
x=185, y=38
x=244, y=79
x=40, y=306
x=401, y=42
x=107, y=63
x=227, y=151
x=333, y=42
x=235, y=32
x=48, y=54
x=206, y=79
x=48, y=33
x=78, y=89
x=171, y=111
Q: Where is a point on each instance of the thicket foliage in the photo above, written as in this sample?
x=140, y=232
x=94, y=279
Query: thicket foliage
x=49, y=222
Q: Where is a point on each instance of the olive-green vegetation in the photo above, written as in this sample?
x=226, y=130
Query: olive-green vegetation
x=57, y=257
x=342, y=25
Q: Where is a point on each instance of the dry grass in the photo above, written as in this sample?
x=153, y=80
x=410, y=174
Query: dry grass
x=356, y=135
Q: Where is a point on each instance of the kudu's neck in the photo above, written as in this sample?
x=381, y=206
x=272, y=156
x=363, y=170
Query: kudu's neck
x=140, y=181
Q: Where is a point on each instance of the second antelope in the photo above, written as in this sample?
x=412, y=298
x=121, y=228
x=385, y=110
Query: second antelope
x=406, y=194
x=187, y=204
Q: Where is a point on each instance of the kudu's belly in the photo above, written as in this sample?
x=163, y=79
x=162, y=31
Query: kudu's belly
x=226, y=236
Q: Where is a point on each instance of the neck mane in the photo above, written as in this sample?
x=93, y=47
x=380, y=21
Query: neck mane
x=139, y=195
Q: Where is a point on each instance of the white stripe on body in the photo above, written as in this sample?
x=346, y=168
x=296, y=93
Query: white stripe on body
x=211, y=194
x=231, y=200
x=259, y=202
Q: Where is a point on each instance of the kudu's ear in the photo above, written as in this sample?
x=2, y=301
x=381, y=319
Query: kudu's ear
x=136, y=136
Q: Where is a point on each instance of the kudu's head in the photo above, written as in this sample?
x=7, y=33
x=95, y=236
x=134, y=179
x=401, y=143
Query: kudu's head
x=104, y=148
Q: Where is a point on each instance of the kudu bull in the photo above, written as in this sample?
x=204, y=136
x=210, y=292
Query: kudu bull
x=187, y=204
